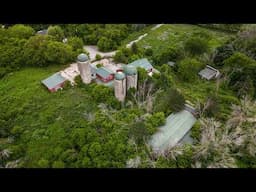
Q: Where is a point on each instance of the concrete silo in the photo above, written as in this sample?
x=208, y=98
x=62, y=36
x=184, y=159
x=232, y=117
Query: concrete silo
x=84, y=68
x=120, y=86
x=131, y=76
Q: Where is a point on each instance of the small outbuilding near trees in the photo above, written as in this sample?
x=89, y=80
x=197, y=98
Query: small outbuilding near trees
x=209, y=73
x=54, y=82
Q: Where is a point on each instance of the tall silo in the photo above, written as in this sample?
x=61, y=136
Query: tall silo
x=84, y=68
x=120, y=86
x=131, y=76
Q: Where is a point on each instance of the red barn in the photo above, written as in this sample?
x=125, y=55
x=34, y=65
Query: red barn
x=54, y=82
x=104, y=74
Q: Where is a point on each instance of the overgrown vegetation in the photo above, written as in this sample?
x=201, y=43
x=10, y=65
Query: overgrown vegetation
x=85, y=126
x=21, y=47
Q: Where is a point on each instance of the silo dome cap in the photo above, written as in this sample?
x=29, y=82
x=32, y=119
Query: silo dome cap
x=82, y=57
x=119, y=75
x=130, y=70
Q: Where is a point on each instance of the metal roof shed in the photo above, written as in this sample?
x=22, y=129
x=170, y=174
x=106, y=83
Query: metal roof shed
x=176, y=127
x=143, y=63
x=209, y=73
x=54, y=82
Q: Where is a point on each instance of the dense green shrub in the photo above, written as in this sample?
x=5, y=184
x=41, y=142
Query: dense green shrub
x=222, y=53
x=41, y=51
x=157, y=119
x=149, y=52
x=175, y=100
x=105, y=44
x=170, y=101
x=186, y=158
x=58, y=164
x=4, y=71
x=211, y=107
x=196, y=46
x=196, y=132
x=134, y=48
x=241, y=71
x=169, y=54
x=98, y=57
x=139, y=132
x=11, y=53
x=99, y=65
x=20, y=31
x=76, y=43
x=164, y=80
x=126, y=55
x=188, y=69
x=56, y=32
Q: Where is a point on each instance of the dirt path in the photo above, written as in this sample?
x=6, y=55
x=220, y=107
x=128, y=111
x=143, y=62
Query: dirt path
x=157, y=26
x=135, y=41
x=93, y=50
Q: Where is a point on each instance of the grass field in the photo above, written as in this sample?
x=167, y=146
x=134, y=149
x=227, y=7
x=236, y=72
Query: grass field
x=135, y=35
x=176, y=34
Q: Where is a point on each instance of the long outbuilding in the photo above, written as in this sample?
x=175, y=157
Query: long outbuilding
x=176, y=128
x=104, y=74
x=54, y=82
x=142, y=63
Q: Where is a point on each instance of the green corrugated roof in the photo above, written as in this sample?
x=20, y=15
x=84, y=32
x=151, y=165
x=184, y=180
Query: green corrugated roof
x=143, y=63
x=103, y=72
x=53, y=80
x=176, y=127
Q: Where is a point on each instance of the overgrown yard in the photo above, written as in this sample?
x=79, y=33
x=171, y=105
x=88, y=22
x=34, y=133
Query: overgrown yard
x=175, y=35
x=73, y=127
x=86, y=126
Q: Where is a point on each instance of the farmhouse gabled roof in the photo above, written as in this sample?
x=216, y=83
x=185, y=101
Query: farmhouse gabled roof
x=143, y=63
x=53, y=80
x=103, y=72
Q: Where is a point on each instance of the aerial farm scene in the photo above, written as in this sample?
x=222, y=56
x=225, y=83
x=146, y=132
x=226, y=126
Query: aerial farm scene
x=127, y=96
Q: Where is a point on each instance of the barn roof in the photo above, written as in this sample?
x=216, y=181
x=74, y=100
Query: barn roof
x=53, y=80
x=176, y=127
x=143, y=63
x=103, y=72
